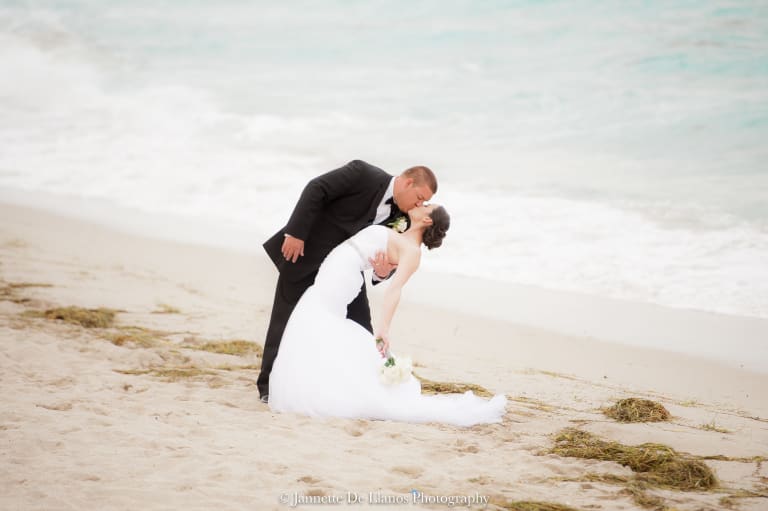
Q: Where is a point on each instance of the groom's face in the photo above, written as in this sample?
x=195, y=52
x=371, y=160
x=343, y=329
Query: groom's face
x=412, y=195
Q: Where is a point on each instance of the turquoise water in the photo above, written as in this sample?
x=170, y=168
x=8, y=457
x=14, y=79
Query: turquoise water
x=614, y=148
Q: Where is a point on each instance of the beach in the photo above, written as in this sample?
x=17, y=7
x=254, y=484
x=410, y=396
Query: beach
x=604, y=169
x=154, y=420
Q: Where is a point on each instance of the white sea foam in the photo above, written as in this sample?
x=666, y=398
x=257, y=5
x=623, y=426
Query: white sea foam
x=716, y=264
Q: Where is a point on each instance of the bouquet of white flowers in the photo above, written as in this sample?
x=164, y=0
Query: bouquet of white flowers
x=395, y=370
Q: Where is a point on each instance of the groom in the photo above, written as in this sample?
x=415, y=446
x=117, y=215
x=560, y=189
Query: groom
x=333, y=207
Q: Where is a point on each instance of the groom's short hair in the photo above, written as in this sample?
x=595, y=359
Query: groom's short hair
x=422, y=175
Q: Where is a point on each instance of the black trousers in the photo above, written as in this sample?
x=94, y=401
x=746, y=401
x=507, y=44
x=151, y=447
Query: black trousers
x=287, y=295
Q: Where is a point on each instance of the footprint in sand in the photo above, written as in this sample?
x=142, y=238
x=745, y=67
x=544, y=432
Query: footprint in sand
x=98, y=410
x=190, y=289
x=410, y=471
x=59, y=407
x=357, y=428
x=481, y=480
x=466, y=447
x=308, y=480
x=64, y=382
x=279, y=469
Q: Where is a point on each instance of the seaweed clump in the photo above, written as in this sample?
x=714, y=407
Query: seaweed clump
x=234, y=347
x=170, y=374
x=87, y=318
x=655, y=464
x=637, y=410
x=438, y=387
x=136, y=336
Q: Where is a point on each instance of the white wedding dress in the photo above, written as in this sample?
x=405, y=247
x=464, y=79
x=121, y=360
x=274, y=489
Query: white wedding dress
x=328, y=365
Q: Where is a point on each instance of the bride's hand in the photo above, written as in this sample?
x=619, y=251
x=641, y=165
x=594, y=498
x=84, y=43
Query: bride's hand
x=382, y=344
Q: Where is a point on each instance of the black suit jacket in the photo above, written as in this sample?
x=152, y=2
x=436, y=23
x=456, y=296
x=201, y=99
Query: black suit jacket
x=332, y=207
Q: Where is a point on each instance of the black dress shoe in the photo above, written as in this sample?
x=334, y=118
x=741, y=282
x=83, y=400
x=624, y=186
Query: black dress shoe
x=264, y=399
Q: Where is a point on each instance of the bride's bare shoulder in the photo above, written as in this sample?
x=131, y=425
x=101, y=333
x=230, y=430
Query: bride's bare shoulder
x=407, y=246
x=400, y=248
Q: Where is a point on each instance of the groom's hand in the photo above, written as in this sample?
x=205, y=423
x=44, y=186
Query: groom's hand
x=381, y=266
x=293, y=248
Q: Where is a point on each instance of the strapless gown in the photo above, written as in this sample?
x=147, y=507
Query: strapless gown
x=328, y=365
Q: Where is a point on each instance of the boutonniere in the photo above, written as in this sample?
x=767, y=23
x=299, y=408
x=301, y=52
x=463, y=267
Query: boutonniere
x=400, y=224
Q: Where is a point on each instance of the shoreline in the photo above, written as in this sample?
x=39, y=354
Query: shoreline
x=670, y=330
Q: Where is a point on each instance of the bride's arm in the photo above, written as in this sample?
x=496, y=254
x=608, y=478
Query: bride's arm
x=409, y=262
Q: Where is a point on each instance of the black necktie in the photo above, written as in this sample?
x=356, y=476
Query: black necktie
x=394, y=212
x=393, y=209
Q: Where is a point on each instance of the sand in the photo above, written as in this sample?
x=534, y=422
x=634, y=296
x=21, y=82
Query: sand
x=85, y=424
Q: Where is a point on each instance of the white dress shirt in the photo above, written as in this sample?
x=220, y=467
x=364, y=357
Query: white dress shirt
x=384, y=209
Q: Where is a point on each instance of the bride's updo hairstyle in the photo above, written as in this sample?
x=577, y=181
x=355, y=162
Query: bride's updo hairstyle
x=434, y=234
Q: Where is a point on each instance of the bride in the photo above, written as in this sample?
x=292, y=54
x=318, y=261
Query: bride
x=329, y=365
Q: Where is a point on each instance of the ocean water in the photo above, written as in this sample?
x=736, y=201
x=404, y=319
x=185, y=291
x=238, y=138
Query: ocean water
x=612, y=148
